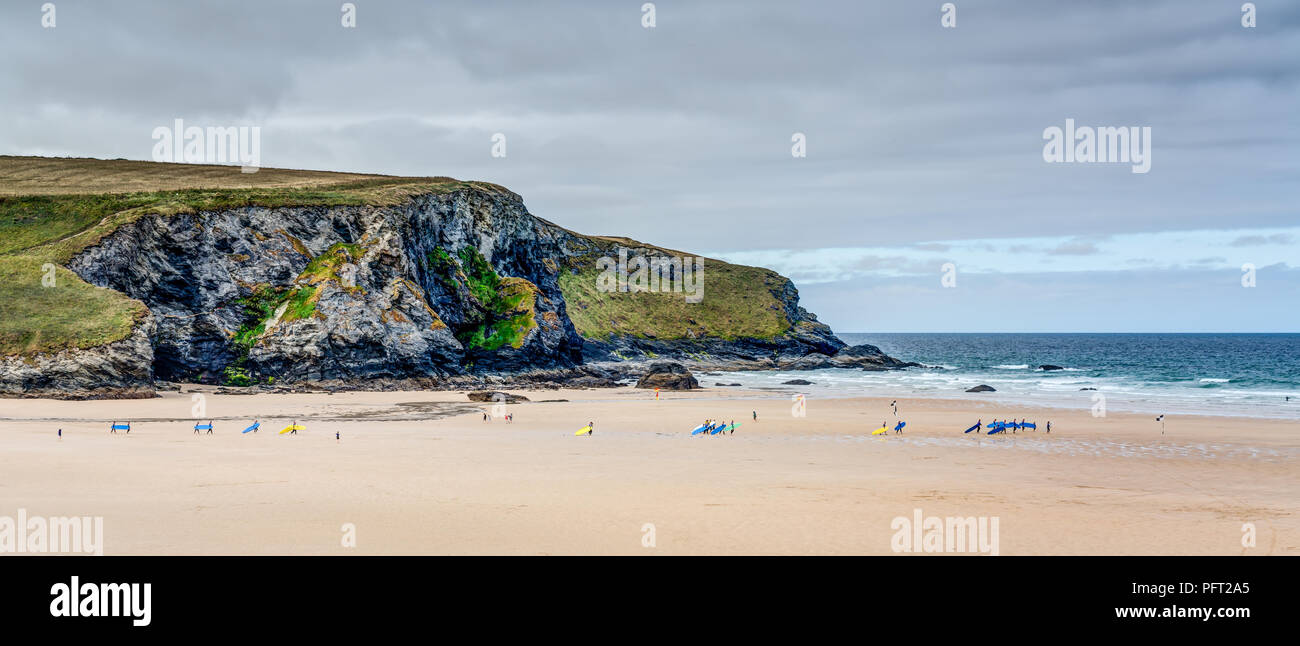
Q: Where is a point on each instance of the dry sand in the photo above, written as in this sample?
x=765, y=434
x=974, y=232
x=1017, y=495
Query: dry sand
x=421, y=473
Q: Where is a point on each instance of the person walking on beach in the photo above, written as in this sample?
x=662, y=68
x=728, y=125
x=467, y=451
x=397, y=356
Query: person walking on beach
x=894, y=404
x=755, y=415
x=591, y=428
x=60, y=434
x=733, y=427
x=336, y=436
x=1049, y=426
x=209, y=427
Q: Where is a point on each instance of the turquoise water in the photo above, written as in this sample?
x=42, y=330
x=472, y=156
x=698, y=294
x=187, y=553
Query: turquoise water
x=1223, y=374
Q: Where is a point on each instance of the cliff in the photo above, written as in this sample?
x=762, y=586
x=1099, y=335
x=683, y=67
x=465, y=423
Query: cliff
x=372, y=282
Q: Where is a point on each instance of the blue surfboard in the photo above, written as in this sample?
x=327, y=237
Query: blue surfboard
x=252, y=428
x=976, y=427
x=700, y=429
x=900, y=426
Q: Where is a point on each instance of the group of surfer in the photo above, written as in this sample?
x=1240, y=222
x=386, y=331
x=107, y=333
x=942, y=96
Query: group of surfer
x=1002, y=426
x=712, y=427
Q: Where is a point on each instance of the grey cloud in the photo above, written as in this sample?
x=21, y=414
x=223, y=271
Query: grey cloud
x=1258, y=240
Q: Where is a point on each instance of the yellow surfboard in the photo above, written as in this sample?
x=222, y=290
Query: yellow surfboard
x=880, y=431
x=292, y=427
x=583, y=431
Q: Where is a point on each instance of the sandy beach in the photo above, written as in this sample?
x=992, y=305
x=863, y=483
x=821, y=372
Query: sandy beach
x=422, y=473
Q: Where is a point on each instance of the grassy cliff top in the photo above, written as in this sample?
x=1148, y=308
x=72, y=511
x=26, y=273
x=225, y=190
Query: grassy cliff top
x=65, y=175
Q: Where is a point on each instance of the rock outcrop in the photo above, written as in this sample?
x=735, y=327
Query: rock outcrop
x=981, y=389
x=119, y=370
x=667, y=375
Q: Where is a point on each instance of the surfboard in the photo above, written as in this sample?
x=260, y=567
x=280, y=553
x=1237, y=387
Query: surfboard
x=976, y=427
x=293, y=427
x=721, y=428
x=997, y=430
x=1033, y=425
x=254, y=427
x=583, y=431
x=880, y=431
x=900, y=426
x=699, y=429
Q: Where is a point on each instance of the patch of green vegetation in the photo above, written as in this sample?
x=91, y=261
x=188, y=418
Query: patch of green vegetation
x=482, y=280
x=508, y=304
x=37, y=315
x=737, y=302
x=236, y=376
x=302, y=304
x=442, y=265
x=325, y=267
x=259, y=307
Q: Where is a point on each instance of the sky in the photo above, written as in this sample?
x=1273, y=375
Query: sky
x=923, y=201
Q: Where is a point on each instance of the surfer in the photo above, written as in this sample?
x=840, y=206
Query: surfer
x=755, y=415
x=591, y=428
x=895, y=405
x=733, y=427
x=1049, y=426
x=336, y=436
x=209, y=427
x=60, y=433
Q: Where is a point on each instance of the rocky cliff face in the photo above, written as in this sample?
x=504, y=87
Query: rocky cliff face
x=441, y=289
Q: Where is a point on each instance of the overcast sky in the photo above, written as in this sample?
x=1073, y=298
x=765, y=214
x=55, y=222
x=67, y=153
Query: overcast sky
x=924, y=143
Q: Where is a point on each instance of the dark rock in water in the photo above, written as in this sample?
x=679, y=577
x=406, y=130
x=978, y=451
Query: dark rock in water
x=1048, y=366
x=867, y=357
x=797, y=382
x=981, y=389
x=722, y=384
x=495, y=396
x=668, y=375
x=1087, y=389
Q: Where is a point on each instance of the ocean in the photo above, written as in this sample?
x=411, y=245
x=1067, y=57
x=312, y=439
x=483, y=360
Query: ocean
x=1248, y=375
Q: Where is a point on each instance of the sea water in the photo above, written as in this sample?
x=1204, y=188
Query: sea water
x=1248, y=375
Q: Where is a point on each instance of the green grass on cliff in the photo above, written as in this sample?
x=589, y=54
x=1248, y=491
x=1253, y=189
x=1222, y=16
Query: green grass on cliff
x=737, y=302
x=509, y=304
x=45, y=220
